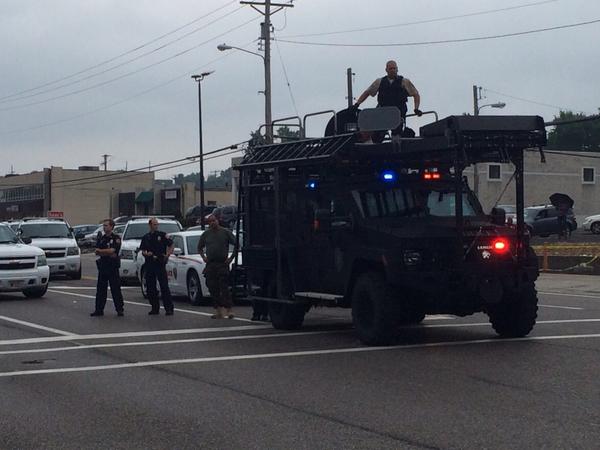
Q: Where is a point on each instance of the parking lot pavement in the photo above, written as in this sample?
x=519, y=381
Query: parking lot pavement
x=188, y=381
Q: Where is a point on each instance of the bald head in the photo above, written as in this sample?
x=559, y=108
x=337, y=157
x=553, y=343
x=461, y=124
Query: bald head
x=391, y=68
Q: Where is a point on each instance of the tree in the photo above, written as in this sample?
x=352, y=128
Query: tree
x=285, y=134
x=583, y=136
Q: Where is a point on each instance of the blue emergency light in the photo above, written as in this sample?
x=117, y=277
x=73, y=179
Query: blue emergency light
x=312, y=184
x=388, y=176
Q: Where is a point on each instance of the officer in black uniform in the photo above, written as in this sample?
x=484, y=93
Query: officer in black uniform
x=108, y=245
x=156, y=248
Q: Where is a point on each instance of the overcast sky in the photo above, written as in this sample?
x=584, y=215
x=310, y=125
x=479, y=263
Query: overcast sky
x=139, y=114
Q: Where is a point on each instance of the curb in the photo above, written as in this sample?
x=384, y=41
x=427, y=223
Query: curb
x=580, y=265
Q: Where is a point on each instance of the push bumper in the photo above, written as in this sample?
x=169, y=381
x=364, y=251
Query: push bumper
x=18, y=280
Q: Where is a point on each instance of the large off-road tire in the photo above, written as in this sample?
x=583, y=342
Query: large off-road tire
x=375, y=314
x=412, y=316
x=194, y=288
x=515, y=316
x=285, y=316
x=35, y=292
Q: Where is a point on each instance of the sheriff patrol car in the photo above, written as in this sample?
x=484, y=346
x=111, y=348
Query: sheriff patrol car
x=23, y=267
x=184, y=268
x=132, y=238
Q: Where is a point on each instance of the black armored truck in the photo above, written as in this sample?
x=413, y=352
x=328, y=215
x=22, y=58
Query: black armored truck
x=391, y=229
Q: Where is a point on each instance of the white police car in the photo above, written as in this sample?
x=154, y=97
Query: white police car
x=184, y=268
x=131, y=240
x=23, y=268
x=56, y=238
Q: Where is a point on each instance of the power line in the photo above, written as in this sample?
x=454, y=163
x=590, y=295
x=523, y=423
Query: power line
x=114, y=58
x=445, y=41
x=124, y=63
x=420, y=22
x=528, y=100
x=126, y=99
x=79, y=91
x=134, y=172
x=287, y=80
x=572, y=121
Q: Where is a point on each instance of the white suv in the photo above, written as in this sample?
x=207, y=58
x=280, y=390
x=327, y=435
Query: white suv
x=131, y=240
x=22, y=267
x=56, y=238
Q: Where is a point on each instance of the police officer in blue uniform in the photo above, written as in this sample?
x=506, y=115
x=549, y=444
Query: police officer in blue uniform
x=156, y=248
x=108, y=245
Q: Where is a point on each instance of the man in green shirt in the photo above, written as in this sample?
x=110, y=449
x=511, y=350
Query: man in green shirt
x=216, y=241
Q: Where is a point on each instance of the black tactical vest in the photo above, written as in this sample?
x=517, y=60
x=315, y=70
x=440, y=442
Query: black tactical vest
x=392, y=94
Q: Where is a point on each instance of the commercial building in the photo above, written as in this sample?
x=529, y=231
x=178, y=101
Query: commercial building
x=83, y=195
x=571, y=173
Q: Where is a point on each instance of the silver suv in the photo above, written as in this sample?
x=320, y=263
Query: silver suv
x=56, y=238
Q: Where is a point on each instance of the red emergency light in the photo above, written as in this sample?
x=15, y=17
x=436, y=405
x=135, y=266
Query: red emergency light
x=431, y=176
x=500, y=245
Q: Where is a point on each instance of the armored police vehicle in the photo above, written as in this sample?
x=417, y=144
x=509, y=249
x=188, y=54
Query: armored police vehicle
x=391, y=230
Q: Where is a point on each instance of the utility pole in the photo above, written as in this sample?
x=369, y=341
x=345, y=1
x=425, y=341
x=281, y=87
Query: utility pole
x=476, y=113
x=105, y=161
x=198, y=79
x=265, y=36
x=349, y=81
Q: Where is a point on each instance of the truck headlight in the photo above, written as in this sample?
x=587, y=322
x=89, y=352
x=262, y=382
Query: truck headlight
x=41, y=260
x=72, y=251
x=126, y=254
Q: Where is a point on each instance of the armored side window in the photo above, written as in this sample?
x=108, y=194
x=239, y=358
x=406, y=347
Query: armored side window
x=588, y=175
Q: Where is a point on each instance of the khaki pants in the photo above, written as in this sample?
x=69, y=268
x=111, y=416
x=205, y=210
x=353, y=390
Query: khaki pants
x=217, y=281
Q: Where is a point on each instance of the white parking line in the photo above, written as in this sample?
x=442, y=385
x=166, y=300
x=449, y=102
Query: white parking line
x=570, y=295
x=37, y=326
x=480, y=324
x=169, y=362
x=77, y=288
x=129, y=302
x=80, y=337
x=172, y=341
x=560, y=307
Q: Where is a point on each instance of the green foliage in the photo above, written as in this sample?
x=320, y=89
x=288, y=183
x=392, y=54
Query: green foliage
x=215, y=180
x=584, y=136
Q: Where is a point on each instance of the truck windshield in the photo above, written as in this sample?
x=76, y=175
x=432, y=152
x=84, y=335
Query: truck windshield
x=45, y=230
x=7, y=236
x=138, y=230
x=412, y=202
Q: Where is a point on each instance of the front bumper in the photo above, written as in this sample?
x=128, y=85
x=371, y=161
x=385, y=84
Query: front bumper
x=128, y=269
x=18, y=280
x=64, y=265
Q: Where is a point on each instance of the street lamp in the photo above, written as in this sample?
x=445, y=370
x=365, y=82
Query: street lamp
x=499, y=105
x=268, y=118
x=198, y=79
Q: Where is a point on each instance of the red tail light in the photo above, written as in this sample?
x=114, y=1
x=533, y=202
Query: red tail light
x=500, y=246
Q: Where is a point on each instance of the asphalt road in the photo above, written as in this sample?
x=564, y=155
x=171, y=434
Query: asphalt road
x=71, y=381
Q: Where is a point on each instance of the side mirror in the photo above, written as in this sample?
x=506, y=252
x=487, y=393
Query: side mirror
x=177, y=251
x=322, y=220
x=498, y=216
x=26, y=240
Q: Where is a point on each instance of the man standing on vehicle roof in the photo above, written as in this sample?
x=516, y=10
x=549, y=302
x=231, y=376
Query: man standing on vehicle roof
x=393, y=90
x=217, y=239
x=107, y=248
x=156, y=248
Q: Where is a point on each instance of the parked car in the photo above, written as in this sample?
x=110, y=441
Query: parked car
x=511, y=213
x=227, y=215
x=184, y=267
x=131, y=240
x=56, y=238
x=195, y=212
x=592, y=223
x=23, y=268
x=543, y=220
x=80, y=231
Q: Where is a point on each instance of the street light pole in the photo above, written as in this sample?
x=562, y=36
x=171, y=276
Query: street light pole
x=475, y=166
x=198, y=79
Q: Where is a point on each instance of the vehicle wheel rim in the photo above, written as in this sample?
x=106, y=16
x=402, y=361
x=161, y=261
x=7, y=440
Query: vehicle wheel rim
x=596, y=228
x=192, y=288
x=144, y=289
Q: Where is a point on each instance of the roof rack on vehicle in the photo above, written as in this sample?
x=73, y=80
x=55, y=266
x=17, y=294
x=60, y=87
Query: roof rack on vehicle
x=53, y=219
